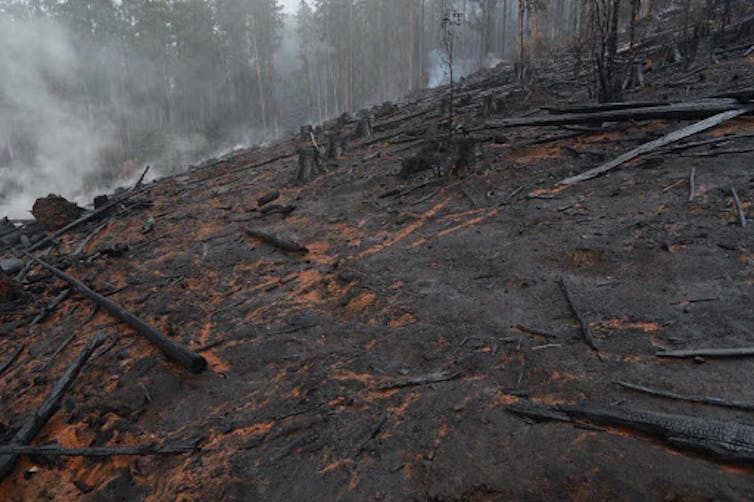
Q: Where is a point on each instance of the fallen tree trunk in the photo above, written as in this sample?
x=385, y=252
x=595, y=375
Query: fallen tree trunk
x=603, y=107
x=172, y=349
x=680, y=111
x=49, y=406
x=686, y=354
x=103, y=451
x=726, y=441
x=658, y=143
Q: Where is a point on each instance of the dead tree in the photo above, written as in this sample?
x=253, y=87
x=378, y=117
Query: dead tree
x=603, y=27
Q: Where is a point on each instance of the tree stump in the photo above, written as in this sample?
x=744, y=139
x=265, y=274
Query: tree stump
x=306, y=132
x=364, y=128
x=336, y=145
x=54, y=212
x=489, y=105
x=309, y=164
x=466, y=154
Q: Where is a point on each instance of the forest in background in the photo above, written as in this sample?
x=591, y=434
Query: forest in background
x=91, y=90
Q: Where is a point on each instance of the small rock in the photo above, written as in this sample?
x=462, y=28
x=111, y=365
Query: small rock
x=148, y=226
x=12, y=266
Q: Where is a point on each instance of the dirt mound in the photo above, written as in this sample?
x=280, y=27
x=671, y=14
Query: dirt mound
x=54, y=211
x=9, y=291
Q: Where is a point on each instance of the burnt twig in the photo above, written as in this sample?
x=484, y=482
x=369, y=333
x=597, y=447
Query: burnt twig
x=48, y=309
x=586, y=332
x=713, y=401
x=440, y=376
x=12, y=358
x=739, y=208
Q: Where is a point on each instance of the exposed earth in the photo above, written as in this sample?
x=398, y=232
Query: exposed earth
x=309, y=391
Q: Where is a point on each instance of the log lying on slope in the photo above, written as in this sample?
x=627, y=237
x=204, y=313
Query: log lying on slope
x=49, y=406
x=98, y=451
x=603, y=107
x=658, y=143
x=680, y=111
x=726, y=441
x=172, y=349
x=274, y=240
x=687, y=354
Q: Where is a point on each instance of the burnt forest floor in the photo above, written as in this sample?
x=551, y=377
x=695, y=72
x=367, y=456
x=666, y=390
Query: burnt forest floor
x=308, y=392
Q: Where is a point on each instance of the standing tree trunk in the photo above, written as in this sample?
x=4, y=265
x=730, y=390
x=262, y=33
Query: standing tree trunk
x=521, y=16
x=258, y=67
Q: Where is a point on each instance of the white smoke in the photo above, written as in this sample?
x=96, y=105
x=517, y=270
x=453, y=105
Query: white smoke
x=439, y=70
x=38, y=62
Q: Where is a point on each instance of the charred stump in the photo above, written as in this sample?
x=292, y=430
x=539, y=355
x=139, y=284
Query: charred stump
x=306, y=133
x=343, y=120
x=309, y=164
x=336, y=145
x=364, y=128
x=466, y=154
x=489, y=105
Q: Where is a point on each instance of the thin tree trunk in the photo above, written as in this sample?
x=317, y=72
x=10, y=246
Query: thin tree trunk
x=260, y=84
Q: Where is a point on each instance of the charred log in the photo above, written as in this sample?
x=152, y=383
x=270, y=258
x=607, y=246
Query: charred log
x=172, y=349
x=49, y=406
x=726, y=441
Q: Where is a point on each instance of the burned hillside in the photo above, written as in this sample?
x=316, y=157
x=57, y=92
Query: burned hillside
x=556, y=302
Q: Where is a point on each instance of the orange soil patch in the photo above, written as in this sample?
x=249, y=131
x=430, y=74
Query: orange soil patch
x=361, y=303
x=402, y=320
x=735, y=126
x=583, y=258
x=622, y=324
x=405, y=232
x=548, y=191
